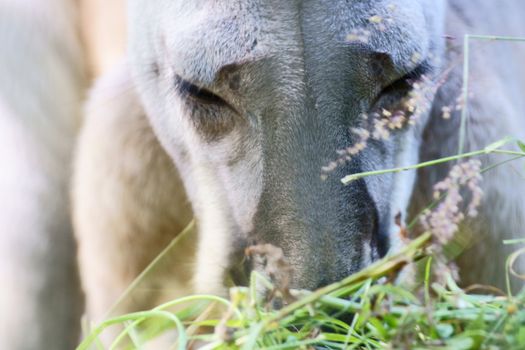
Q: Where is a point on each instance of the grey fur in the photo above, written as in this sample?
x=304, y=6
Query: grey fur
x=294, y=109
x=302, y=87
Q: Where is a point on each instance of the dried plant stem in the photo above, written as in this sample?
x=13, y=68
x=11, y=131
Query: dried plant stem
x=466, y=73
x=465, y=94
x=353, y=177
x=436, y=201
x=496, y=38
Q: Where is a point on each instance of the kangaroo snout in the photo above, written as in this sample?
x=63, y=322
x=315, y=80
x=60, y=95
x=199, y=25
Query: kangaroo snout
x=325, y=235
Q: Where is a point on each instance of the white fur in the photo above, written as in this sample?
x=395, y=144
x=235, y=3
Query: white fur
x=41, y=86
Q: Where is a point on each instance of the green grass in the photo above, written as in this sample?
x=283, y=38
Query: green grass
x=360, y=312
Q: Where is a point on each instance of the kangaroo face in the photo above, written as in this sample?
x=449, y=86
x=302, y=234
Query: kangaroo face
x=252, y=99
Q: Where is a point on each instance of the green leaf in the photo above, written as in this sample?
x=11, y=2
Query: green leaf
x=461, y=343
x=498, y=144
x=521, y=145
x=514, y=241
x=445, y=330
x=377, y=328
x=521, y=336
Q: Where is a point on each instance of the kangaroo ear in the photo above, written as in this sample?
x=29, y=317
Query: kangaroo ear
x=128, y=202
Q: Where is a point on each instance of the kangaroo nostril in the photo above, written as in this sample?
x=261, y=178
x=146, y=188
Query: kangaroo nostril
x=382, y=244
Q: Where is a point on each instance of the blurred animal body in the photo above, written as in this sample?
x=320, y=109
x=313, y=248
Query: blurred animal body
x=228, y=111
x=41, y=91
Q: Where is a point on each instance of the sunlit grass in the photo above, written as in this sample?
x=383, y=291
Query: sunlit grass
x=360, y=312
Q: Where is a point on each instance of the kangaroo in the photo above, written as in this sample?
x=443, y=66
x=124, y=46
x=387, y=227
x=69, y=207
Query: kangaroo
x=230, y=111
x=249, y=100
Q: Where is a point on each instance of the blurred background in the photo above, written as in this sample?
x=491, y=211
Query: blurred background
x=51, y=52
x=103, y=32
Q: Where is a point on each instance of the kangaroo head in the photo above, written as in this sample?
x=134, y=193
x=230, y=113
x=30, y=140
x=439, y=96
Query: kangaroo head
x=253, y=98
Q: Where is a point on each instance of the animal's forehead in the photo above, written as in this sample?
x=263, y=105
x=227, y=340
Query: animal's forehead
x=201, y=36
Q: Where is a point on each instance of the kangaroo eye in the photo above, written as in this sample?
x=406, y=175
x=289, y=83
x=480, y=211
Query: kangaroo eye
x=197, y=93
x=406, y=82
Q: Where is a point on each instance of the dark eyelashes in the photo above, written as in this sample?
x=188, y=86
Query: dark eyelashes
x=206, y=97
x=199, y=94
x=406, y=82
x=418, y=72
